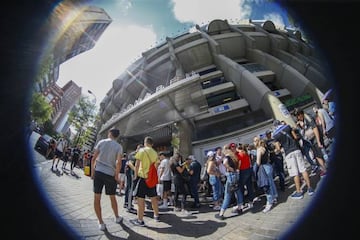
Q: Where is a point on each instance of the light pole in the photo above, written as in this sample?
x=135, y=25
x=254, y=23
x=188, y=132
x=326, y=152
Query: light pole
x=93, y=96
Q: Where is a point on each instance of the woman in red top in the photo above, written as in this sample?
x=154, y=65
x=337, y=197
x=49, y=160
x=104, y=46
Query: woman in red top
x=246, y=174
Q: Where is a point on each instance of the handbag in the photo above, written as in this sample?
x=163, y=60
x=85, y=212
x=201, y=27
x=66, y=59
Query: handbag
x=152, y=178
x=234, y=185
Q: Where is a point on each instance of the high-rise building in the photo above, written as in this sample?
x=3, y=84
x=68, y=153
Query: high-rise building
x=71, y=96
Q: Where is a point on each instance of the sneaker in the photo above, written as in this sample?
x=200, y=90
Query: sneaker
x=250, y=205
x=163, y=206
x=185, y=212
x=102, y=226
x=137, y=222
x=157, y=218
x=118, y=219
x=297, y=195
x=310, y=191
x=217, y=208
x=221, y=217
x=237, y=210
x=177, y=209
x=267, y=208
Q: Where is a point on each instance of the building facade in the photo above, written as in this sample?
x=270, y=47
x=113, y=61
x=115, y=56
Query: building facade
x=221, y=83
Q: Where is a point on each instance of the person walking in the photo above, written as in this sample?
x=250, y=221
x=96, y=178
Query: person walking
x=106, y=164
x=144, y=158
x=76, y=152
x=59, y=152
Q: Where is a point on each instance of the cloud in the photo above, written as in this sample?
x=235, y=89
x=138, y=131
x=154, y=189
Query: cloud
x=190, y=10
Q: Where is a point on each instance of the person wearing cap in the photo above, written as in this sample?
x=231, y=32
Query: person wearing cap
x=214, y=178
x=246, y=174
x=194, y=171
x=285, y=138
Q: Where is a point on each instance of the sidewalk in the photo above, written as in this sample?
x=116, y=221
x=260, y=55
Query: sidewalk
x=72, y=198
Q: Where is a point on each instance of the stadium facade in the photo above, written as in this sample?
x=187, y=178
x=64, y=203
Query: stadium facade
x=219, y=84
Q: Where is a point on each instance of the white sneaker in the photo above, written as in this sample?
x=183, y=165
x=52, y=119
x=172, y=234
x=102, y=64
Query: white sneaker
x=267, y=208
x=102, y=226
x=250, y=205
x=163, y=206
x=118, y=219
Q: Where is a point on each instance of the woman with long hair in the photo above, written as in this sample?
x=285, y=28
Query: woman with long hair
x=263, y=161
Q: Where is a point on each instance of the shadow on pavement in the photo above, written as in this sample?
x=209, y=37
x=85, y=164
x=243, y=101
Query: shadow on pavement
x=132, y=234
x=190, y=228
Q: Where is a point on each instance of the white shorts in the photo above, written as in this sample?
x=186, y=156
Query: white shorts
x=295, y=163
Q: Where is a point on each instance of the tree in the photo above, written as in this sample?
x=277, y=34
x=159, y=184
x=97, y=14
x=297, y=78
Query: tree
x=40, y=109
x=81, y=116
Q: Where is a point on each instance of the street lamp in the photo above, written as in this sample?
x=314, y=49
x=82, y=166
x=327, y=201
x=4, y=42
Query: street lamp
x=93, y=96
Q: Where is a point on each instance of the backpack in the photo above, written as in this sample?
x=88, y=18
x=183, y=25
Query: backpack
x=152, y=178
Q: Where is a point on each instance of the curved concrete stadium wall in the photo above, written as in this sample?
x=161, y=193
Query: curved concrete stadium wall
x=311, y=71
x=194, y=55
x=227, y=42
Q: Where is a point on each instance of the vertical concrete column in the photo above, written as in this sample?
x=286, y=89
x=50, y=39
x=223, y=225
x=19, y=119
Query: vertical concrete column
x=180, y=74
x=185, y=135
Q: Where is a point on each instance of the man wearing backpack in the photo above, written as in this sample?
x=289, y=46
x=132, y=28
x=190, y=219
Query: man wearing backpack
x=144, y=158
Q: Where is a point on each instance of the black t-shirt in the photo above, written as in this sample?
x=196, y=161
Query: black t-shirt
x=282, y=134
x=196, y=167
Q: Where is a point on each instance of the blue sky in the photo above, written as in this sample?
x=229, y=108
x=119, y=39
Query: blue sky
x=141, y=24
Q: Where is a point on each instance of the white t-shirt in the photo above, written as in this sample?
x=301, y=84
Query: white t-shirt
x=165, y=164
x=61, y=145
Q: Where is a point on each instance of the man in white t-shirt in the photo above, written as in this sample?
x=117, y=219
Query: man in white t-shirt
x=164, y=178
x=59, y=152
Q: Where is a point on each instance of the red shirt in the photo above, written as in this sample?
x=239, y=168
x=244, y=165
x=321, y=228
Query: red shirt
x=245, y=160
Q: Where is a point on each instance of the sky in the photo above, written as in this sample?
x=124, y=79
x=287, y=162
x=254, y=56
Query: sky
x=138, y=25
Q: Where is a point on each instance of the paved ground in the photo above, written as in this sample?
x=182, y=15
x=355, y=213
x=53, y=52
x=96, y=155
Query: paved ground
x=72, y=199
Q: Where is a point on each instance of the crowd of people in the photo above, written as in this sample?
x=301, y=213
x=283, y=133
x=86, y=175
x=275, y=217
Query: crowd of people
x=62, y=151
x=237, y=175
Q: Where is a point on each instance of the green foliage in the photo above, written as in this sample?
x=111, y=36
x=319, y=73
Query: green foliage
x=40, y=109
x=81, y=116
x=45, y=68
x=50, y=130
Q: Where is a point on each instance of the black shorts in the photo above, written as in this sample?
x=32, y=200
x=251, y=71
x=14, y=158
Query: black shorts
x=58, y=154
x=101, y=180
x=143, y=190
x=166, y=185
